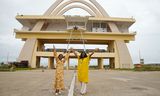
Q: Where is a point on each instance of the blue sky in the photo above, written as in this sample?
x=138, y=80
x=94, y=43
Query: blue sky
x=146, y=12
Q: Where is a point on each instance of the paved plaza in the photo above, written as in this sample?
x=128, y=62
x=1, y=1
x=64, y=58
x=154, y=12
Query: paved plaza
x=102, y=83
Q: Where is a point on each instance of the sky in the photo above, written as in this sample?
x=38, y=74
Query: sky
x=147, y=26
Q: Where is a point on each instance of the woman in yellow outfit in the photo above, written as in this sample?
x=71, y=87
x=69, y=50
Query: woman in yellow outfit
x=83, y=66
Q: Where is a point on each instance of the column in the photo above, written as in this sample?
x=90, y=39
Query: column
x=67, y=64
x=50, y=62
x=111, y=63
x=38, y=59
x=54, y=65
x=111, y=47
x=100, y=63
x=34, y=57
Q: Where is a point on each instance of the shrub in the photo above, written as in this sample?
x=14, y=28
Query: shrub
x=148, y=68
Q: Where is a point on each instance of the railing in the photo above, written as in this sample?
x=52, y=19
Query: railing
x=95, y=55
x=79, y=50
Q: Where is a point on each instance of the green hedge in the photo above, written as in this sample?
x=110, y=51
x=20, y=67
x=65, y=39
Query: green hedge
x=6, y=67
x=24, y=69
x=148, y=68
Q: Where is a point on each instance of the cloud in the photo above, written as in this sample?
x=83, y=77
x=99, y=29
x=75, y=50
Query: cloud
x=146, y=13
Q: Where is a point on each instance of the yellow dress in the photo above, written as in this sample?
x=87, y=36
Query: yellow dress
x=83, y=66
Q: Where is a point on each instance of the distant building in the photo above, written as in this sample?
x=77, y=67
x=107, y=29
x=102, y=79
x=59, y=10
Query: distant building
x=141, y=61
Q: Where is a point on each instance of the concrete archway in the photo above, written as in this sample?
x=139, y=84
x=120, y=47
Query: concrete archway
x=59, y=8
x=76, y=6
x=58, y=2
x=100, y=8
x=53, y=7
x=122, y=58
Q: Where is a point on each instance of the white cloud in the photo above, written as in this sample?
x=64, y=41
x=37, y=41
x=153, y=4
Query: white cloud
x=146, y=13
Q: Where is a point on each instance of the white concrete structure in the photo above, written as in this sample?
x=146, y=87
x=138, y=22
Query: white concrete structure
x=51, y=28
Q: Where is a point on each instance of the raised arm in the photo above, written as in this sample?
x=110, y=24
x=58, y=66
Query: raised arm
x=75, y=53
x=66, y=56
x=93, y=51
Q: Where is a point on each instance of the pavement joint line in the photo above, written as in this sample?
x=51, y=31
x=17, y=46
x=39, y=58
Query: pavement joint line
x=71, y=90
x=122, y=79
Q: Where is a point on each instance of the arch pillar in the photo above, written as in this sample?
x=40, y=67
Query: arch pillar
x=122, y=58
